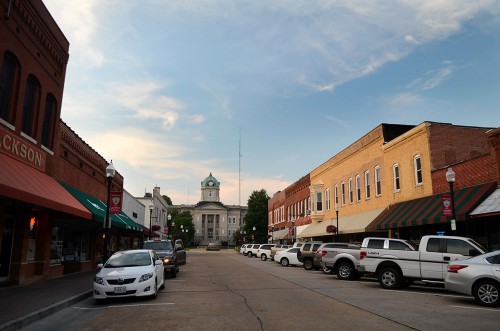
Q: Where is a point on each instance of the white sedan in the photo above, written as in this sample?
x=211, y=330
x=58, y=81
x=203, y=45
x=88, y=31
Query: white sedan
x=129, y=273
x=288, y=257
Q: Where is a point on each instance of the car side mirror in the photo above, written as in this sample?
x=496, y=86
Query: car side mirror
x=158, y=262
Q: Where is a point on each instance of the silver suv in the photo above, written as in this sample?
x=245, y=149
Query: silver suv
x=252, y=249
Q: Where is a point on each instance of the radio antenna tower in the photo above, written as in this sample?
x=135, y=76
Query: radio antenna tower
x=239, y=171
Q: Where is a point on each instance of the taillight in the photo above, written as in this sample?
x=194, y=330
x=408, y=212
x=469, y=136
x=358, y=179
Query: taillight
x=362, y=255
x=455, y=268
x=323, y=252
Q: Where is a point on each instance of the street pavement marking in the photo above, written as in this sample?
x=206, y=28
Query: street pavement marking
x=476, y=308
x=126, y=306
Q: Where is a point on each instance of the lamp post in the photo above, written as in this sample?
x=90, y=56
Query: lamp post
x=110, y=173
x=337, y=213
x=253, y=234
x=450, y=178
x=173, y=224
x=169, y=218
x=293, y=229
x=151, y=207
x=182, y=232
x=272, y=234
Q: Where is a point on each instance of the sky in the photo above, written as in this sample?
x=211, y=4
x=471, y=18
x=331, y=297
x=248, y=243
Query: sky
x=259, y=93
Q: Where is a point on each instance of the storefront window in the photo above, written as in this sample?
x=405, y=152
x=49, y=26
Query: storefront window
x=56, y=246
x=76, y=245
x=33, y=229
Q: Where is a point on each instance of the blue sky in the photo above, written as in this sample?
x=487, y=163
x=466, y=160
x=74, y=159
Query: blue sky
x=167, y=88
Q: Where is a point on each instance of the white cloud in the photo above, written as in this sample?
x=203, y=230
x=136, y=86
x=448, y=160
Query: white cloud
x=433, y=78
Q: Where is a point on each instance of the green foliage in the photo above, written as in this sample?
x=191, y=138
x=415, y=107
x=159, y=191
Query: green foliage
x=256, y=216
x=167, y=200
x=184, y=218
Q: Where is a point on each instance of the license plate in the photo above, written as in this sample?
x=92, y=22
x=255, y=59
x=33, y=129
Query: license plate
x=120, y=289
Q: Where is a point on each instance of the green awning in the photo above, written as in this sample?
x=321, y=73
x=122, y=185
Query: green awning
x=429, y=210
x=98, y=210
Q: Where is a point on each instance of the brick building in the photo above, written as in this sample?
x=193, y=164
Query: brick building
x=33, y=54
x=391, y=182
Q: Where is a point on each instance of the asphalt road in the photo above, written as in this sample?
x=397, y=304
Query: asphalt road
x=226, y=291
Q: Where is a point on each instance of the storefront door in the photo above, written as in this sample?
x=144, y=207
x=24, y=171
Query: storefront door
x=7, y=236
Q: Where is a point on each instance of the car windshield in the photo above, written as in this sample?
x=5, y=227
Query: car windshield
x=121, y=260
x=159, y=245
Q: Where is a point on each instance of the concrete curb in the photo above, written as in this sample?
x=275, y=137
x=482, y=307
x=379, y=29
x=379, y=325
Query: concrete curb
x=44, y=312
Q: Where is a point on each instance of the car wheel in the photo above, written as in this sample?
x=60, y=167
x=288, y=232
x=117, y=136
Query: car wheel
x=486, y=293
x=263, y=257
x=390, y=278
x=345, y=271
x=327, y=270
x=249, y=254
x=155, y=288
x=163, y=283
x=308, y=264
x=173, y=272
x=284, y=262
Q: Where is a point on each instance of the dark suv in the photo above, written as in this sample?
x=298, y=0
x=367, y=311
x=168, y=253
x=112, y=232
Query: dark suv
x=306, y=253
x=172, y=254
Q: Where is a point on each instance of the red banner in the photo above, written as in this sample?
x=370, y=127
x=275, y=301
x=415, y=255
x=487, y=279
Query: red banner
x=447, y=211
x=115, y=203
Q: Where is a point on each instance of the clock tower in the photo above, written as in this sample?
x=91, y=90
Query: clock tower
x=210, y=189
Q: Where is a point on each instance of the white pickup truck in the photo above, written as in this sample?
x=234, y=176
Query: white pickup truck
x=397, y=263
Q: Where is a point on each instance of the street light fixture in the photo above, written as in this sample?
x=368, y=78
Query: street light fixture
x=450, y=178
x=110, y=173
x=169, y=218
x=272, y=234
x=293, y=229
x=151, y=207
x=173, y=224
x=253, y=234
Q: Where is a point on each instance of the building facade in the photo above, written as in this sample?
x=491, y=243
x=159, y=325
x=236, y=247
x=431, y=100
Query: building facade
x=391, y=181
x=214, y=221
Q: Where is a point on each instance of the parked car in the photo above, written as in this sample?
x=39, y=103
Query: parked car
x=276, y=248
x=288, y=257
x=478, y=276
x=324, y=249
x=306, y=253
x=264, y=251
x=129, y=273
x=397, y=263
x=252, y=250
x=243, y=249
x=213, y=247
x=172, y=254
x=344, y=262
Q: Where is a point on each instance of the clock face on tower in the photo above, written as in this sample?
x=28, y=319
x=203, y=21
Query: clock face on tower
x=210, y=183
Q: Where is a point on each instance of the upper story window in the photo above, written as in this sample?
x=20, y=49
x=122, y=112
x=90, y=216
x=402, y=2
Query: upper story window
x=395, y=174
x=319, y=201
x=378, y=187
x=342, y=193
x=367, y=184
x=351, y=193
x=358, y=188
x=48, y=121
x=327, y=199
x=8, y=78
x=336, y=195
x=418, y=170
x=31, y=96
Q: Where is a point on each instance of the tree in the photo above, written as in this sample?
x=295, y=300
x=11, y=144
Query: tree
x=257, y=216
x=184, y=218
x=167, y=200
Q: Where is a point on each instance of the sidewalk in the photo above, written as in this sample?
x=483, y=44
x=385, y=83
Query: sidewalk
x=24, y=304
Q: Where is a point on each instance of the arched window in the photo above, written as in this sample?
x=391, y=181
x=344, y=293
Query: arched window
x=8, y=79
x=30, y=105
x=48, y=121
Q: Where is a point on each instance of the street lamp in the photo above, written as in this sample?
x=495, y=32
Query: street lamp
x=169, y=218
x=151, y=207
x=110, y=173
x=337, y=213
x=450, y=178
x=173, y=224
x=272, y=234
x=253, y=234
x=293, y=229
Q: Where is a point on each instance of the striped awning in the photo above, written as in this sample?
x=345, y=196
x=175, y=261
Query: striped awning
x=428, y=210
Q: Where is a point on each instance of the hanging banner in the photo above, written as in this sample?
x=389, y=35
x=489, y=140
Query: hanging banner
x=115, y=203
x=447, y=211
